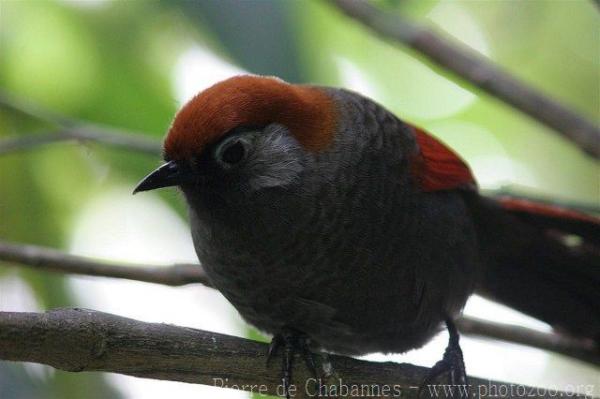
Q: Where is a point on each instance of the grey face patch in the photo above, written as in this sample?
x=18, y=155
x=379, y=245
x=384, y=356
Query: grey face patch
x=276, y=159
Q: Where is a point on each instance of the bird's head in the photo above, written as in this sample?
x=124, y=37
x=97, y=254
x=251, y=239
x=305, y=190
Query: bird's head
x=243, y=135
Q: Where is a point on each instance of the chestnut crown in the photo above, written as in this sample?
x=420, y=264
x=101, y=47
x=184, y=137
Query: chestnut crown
x=306, y=111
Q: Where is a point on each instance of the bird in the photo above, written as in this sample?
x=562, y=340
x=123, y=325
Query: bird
x=328, y=222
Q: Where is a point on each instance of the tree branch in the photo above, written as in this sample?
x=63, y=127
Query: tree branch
x=478, y=71
x=40, y=258
x=52, y=260
x=34, y=111
x=582, y=349
x=71, y=130
x=88, y=133
x=85, y=340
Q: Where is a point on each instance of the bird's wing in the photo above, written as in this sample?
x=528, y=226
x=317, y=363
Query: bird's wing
x=436, y=167
x=530, y=266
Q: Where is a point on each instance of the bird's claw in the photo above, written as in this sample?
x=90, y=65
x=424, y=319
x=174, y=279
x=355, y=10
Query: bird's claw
x=274, y=346
x=292, y=342
x=452, y=363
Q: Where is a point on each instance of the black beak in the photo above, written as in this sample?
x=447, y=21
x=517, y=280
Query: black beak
x=167, y=175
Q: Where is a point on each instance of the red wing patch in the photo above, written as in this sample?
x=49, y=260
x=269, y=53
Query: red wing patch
x=437, y=167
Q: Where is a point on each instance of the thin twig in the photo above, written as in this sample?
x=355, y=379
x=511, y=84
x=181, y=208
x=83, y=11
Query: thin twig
x=582, y=349
x=47, y=259
x=478, y=71
x=85, y=340
x=32, y=110
x=71, y=130
x=108, y=136
x=41, y=258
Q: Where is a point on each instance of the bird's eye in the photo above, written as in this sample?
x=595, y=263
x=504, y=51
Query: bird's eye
x=231, y=152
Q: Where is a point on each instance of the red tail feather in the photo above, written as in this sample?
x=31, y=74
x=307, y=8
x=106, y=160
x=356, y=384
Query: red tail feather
x=528, y=206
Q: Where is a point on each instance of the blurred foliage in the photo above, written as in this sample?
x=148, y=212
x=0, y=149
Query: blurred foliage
x=112, y=62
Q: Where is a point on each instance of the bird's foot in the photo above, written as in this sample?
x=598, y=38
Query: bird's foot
x=292, y=342
x=453, y=364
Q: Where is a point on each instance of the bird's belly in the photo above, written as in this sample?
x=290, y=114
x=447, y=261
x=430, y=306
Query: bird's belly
x=350, y=313
x=355, y=292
